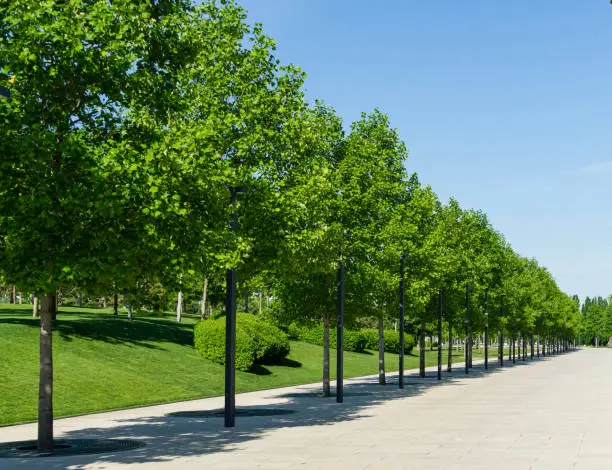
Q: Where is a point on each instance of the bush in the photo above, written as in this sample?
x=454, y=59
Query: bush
x=391, y=341
x=271, y=344
x=209, y=340
x=256, y=341
x=353, y=339
x=293, y=331
x=370, y=336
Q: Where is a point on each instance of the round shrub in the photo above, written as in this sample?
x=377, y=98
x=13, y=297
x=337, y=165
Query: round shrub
x=271, y=344
x=209, y=340
x=353, y=339
x=293, y=331
x=256, y=341
x=370, y=336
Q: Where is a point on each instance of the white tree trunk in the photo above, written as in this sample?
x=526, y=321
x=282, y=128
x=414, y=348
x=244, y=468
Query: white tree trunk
x=204, y=293
x=179, y=306
x=129, y=309
x=35, y=307
x=45, y=382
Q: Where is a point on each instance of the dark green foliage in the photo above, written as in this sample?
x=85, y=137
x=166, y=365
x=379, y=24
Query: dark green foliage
x=354, y=340
x=370, y=336
x=209, y=340
x=271, y=344
x=293, y=331
x=256, y=341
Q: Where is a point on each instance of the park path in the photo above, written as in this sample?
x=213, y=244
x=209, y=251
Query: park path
x=554, y=413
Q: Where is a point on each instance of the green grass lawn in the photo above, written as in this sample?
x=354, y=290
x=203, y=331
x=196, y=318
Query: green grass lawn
x=102, y=362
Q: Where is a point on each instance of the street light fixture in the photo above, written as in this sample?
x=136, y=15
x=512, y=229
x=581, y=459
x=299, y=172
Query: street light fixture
x=230, y=328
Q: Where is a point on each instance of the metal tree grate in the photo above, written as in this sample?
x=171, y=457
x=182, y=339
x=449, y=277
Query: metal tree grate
x=66, y=447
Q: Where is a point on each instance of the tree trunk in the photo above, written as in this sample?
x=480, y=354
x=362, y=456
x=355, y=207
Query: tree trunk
x=20, y=298
x=204, y=293
x=115, y=304
x=79, y=299
x=326, y=390
x=129, y=309
x=104, y=302
x=449, y=366
x=381, y=352
x=422, y=347
x=13, y=295
x=45, y=383
x=260, y=302
x=179, y=306
x=35, y=307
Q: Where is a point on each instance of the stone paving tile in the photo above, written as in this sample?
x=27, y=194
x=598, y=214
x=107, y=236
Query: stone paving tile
x=548, y=414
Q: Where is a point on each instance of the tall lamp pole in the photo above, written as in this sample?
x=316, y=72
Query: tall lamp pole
x=486, y=338
x=230, y=328
x=401, y=322
x=500, y=346
x=467, y=327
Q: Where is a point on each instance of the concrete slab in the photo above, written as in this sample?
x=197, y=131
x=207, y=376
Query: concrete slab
x=542, y=414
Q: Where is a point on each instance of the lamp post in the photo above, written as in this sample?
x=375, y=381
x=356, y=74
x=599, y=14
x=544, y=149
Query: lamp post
x=401, y=323
x=230, y=328
x=486, y=338
x=440, y=336
x=500, y=346
x=340, y=336
x=467, y=327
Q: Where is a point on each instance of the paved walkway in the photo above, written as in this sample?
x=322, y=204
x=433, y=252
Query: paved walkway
x=548, y=414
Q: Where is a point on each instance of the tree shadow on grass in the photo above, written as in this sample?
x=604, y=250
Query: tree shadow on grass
x=193, y=433
x=144, y=332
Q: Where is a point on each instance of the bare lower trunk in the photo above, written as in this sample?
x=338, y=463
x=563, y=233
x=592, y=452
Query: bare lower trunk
x=79, y=299
x=179, y=306
x=20, y=298
x=204, y=293
x=45, y=383
x=326, y=391
x=35, y=307
x=13, y=295
x=381, y=352
x=116, y=304
x=129, y=309
x=104, y=302
x=260, y=302
x=422, y=347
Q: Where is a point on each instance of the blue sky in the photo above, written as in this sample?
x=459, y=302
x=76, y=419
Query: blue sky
x=506, y=106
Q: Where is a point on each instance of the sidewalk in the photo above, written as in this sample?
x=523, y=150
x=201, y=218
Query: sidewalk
x=462, y=421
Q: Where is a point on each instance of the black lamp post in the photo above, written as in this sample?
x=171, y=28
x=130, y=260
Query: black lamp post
x=440, y=336
x=340, y=336
x=467, y=328
x=486, y=338
x=230, y=328
x=500, y=346
x=401, y=322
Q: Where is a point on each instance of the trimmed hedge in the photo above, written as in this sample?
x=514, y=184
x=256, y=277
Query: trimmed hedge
x=353, y=339
x=391, y=341
x=256, y=341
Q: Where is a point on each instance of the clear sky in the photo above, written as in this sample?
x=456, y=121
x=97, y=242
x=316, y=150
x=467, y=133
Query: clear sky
x=504, y=105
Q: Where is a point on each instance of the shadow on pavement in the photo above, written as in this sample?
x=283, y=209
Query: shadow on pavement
x=198, y=432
